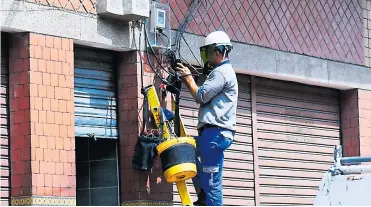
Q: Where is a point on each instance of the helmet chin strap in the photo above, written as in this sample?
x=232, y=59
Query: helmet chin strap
x=225, y=52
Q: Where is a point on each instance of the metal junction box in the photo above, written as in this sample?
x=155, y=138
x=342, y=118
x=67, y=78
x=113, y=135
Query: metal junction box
x=123, y=9
x=159, y=28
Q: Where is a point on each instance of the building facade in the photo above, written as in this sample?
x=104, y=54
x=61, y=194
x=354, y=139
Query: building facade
x=71, y=99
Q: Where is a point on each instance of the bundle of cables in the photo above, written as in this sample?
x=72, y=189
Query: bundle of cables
x=145, y=148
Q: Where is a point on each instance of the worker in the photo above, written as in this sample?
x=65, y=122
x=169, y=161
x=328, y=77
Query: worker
x=217, y=97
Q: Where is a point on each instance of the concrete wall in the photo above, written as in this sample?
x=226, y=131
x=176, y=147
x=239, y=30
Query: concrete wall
x=265, y=62
x=85, y=29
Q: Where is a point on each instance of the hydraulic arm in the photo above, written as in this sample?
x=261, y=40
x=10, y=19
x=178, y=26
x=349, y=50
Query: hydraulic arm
x=177, y=153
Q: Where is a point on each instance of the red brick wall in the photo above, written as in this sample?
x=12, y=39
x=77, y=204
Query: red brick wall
x=42, y=116
x=331, y=29
x=20, y=132
x=350, y=122
x=149, y=186
x=356, y=122
x=364, y=98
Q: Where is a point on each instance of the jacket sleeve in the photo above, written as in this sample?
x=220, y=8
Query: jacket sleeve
x=213, y=85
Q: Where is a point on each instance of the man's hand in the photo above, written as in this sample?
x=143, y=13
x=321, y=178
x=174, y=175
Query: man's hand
x=187, y=78
x=183, y=70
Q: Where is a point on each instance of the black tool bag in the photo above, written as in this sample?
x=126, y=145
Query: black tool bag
x=145, y=152
x=145, y=149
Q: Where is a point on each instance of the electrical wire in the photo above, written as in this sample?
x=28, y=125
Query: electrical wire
x=187, y=20
x=153, y=52
x=148, y=58
x=180, y=36
x=191, y=50
x=167, y=38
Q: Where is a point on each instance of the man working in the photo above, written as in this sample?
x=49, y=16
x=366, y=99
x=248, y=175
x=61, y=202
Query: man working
x=217, y=116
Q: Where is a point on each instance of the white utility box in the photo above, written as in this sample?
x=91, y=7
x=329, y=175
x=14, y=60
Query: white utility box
x=159, y=26
x=123, y=9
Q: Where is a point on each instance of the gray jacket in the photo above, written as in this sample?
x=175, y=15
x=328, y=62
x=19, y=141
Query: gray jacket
x=217, y=97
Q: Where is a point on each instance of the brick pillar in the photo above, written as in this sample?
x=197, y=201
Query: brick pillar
x=137, y=188
x=356, y=122
x=364, y=103
x=349, y=123
x=42, y=118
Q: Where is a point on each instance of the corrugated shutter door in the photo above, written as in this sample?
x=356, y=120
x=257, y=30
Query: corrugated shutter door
x=4, y=100
x=238, y=176
x=298, y=126
x=95, y=94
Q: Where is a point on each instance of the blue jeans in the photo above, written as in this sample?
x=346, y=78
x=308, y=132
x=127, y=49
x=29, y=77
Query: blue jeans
x=211, y=145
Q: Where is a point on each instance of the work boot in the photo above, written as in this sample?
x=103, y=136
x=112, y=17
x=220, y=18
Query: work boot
x=201, y=201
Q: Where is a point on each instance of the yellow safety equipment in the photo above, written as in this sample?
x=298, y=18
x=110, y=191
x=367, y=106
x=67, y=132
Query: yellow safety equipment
x=177, y=153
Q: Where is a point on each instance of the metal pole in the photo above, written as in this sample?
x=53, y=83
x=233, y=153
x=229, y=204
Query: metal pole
x=354, y=160
x=347, y=170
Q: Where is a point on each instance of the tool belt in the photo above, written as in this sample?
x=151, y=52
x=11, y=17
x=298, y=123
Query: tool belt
x=206, y=126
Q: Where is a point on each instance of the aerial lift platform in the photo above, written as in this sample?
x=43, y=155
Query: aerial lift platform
x=346, y=183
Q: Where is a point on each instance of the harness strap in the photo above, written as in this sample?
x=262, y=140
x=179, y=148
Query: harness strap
x=145, y=110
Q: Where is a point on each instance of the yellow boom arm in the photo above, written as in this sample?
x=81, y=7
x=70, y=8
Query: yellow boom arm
x=154, y=105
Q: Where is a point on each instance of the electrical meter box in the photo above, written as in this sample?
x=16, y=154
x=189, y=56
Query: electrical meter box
x=159, y=31
x=123, y=9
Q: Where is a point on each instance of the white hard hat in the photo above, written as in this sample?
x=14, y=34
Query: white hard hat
x=217, y=38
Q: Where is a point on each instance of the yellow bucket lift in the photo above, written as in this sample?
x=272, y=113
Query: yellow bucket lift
x=178, y=154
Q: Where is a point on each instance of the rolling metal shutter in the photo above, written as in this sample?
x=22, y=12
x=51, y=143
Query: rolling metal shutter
x=97, y=177
x=4, y=140
x=95, y=94
x=298, y=126
x=238, y=175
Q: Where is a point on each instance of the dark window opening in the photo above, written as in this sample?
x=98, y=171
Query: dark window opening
x=97, y=178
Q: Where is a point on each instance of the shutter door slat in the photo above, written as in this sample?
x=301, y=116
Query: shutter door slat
x=298, y=126
x=279, y=162
x=299, y=120
x=265, y=181
x=238, y=175
x=292, y=95
x=320, y=141
x=297, y=104
x=289, y=111
x=4, y=143
x=286, y=200
x=288, y=146
x=95, y=94
x=284, y=85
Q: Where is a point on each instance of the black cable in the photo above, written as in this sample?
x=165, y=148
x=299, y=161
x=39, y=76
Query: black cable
x=191, y=66
x=180, y=36
x=148, y=58
x=186, y=22
x=143, y=91
x=167, y=38
x=193, y=56
x=153, y=52
x=189, y=47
